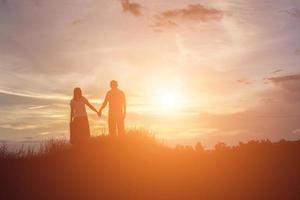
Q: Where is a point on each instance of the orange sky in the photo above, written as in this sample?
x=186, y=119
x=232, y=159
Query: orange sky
x=192, y=70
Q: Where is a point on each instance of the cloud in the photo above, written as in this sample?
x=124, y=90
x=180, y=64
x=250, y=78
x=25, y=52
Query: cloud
x=275, y=117
x=282, y=79
x=78, y=21
x=292, y=12
x=296, y=132
x=8, y=98
x=272, y=120
x=193, y=12
x=133, y=8
x=20, y=127
x=244, y=81
x=287, y=87
x=38, y=107
x=163, y=23
x=277, y=71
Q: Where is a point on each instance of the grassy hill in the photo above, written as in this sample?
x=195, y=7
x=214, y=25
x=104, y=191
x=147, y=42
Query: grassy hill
x=139, y=167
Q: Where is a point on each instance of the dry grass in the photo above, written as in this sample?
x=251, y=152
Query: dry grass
x=138, y=166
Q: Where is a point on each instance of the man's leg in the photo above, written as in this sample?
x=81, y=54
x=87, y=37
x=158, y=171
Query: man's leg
x=121, y=127
x=112, y=125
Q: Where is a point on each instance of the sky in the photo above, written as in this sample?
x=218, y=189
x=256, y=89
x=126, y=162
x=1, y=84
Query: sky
x=192, y=70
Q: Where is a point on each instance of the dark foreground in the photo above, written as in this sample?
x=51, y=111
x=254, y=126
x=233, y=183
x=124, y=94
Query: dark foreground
x=137, y=167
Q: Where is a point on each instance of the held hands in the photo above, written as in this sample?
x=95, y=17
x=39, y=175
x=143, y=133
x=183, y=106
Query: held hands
x=99, y=113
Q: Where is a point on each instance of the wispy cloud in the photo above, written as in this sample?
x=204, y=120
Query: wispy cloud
x=132, y=8
x=35, y=96
x=243, y=81
x=161, y=22
x=280, y=79
x=193, y=12
x=38, y=107
x=21, y=127
x=277, y=71
x=78, y=21
x=292, y=12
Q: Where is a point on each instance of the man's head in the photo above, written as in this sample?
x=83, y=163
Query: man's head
x=113, y=84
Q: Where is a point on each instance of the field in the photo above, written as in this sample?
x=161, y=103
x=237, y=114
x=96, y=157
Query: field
x=140, y=167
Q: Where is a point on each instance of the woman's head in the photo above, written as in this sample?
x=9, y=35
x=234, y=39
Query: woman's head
x=77, y=94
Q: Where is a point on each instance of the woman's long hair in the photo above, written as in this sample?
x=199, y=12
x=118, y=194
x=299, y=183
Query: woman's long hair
x=77, y=94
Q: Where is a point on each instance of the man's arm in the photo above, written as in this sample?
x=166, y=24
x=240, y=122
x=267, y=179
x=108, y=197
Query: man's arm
x=103, y=104
x=124, y=106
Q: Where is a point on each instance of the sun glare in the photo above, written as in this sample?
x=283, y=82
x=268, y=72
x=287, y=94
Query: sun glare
x=168, y=100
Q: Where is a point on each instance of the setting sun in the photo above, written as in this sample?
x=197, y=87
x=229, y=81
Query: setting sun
x=167, y=100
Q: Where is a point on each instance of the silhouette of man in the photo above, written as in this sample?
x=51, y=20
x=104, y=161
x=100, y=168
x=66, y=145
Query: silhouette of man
x=117, y=109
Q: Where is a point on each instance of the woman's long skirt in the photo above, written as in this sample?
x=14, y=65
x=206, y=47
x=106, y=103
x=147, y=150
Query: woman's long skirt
x=79, y=130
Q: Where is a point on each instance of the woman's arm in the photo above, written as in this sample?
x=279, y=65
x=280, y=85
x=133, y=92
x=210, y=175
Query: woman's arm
x=91, y=106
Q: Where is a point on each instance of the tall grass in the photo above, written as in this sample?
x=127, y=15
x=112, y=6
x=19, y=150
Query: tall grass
x=138, y=166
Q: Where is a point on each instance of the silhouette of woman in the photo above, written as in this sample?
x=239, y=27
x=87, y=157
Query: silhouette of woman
x=79, y=124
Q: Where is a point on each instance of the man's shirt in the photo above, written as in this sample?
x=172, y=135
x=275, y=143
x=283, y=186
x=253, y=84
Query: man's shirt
x=116, y=101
